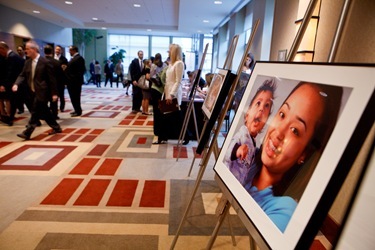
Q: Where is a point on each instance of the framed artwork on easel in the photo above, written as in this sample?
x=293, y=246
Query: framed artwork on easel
x=291, y=144
x=214, y=101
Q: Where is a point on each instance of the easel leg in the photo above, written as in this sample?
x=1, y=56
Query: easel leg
x=196, y=186
x=218, y=225
x=234, y=243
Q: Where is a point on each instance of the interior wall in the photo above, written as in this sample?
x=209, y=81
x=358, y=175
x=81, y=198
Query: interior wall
x=358, y=40
x=12, y=22
x=284, y=28
x=356, y=46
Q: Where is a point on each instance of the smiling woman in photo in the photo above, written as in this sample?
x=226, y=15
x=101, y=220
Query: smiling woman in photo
x=301, y=126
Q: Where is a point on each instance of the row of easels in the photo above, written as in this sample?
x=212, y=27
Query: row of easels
x=211, y=146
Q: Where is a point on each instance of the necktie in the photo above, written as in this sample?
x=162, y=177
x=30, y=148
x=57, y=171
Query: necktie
x=33, y=66
x=141, y=64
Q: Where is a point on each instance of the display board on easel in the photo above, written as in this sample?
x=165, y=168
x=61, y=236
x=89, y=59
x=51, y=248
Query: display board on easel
x=190, y=109
x=307, y=148
x=320, y=169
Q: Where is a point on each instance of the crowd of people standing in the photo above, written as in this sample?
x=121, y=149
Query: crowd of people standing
x=39, y=83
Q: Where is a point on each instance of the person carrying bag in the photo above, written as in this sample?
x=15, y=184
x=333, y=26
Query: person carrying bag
x=172, y=121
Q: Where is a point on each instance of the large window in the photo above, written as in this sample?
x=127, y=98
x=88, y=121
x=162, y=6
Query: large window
x=159, y=44
x=131, y=44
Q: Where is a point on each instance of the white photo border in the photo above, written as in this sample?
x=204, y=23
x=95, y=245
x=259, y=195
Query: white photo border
x=359, y=79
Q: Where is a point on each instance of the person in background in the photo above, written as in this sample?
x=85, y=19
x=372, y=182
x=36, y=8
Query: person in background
x=146, y=93
x=172, y=122
x=59, y=76
x=20, y=103
x=37, y=75
x=201, y=83
x=11, y=67
x=108, y=72
x=119, y=70
x=249, y=63
x=21, y=52
x=61, y=87
x=74, y=74
x=157, y=74
x=129, y=80
x=98, y=74
x=92, y=72
x=135, y=73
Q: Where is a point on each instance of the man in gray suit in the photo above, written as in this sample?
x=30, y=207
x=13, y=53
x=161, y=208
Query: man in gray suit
x=37, y=75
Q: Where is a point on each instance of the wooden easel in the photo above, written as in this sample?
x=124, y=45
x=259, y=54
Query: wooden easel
x=191, y=107
x=212, y=144
x=227, y=64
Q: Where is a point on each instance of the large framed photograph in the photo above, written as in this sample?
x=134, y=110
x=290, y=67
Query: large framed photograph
x=214, y=101
x=293, y=139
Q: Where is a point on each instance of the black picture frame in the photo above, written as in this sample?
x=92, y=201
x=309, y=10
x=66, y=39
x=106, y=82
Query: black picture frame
x=214, y=101
x=325, y=175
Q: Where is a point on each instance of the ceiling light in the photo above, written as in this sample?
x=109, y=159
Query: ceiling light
x=206, y=21
x=68, y=2
x=36, y=11
x=95, y=19
x=104, y=28
x=137, y=5
x=149, y=29
x=218, y=2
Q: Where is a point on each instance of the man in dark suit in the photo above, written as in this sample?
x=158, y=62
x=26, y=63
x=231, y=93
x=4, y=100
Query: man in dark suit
x=108, y=72
x=59, y=76
x=11, y=68
x=136, y=68
x=63, y=64
x=37, y=75
x=74, y=73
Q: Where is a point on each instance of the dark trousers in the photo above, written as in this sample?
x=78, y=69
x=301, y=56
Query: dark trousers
x=119, y=78
x=108, y=77
x=98, y=80
x=61, y=91
x=155, y=97
x=40, y=111
x=137, y=98
x=92, y=78
x=74, y=91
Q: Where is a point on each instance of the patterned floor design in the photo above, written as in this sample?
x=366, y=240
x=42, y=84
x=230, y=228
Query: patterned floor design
x=102, y=184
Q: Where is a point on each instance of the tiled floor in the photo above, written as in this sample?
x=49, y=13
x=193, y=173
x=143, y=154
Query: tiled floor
x=102, y=184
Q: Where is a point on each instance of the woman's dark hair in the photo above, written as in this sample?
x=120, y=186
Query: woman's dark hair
x=331, y=98
x=158, y=60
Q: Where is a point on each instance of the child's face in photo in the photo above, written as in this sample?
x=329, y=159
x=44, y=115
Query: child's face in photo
x=258, y=112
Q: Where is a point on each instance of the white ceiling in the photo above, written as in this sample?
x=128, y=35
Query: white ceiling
x=155, y=17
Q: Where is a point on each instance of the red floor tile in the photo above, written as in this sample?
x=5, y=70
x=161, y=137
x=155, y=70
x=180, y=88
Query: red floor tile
x=61, y=194
x=123, y=193
x=183, y=152
x=93, y=193
x=153, y=194
x=109, y=167
x=98, y=150
x=88, y=138
x=85, y=166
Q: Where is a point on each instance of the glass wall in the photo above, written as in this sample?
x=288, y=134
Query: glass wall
x=159, y=44
x=131, y=44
